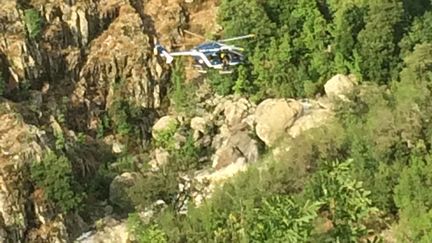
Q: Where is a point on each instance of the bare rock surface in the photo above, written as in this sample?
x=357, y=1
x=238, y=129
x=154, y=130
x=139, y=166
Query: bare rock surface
x=339, y=85
x=274, y=117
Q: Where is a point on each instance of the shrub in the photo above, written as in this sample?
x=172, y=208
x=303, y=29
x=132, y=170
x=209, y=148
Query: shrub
x=33, y=22
x=145, y=233
x=281, y=219
x=181, y=93
x=344, y=198
x=221, y=84
x=163, y=184
x=54, y=175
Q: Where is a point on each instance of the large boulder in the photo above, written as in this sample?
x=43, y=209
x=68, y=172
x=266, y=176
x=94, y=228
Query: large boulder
x=238, y=145
x=163, y=124
x=118, y=195
x=235, y=112
x=314, y=119
x=232, y=112
x=199, y=124
x=274, y=117
x=339, y=85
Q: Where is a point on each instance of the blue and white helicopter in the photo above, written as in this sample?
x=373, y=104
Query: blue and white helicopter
x=209, y=55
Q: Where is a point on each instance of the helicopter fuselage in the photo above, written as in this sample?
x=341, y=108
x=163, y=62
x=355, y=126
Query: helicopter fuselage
x=209, y=55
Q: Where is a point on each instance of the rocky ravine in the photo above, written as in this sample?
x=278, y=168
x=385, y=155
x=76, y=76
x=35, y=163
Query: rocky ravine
x=235, y=120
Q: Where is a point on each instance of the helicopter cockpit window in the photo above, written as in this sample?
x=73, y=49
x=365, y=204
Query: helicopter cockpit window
x=214, y=58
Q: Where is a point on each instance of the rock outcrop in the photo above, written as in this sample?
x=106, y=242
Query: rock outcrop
x=118, y=195
x=339, y=85
x=274, y=117
x=20, y=146
x=84, y=48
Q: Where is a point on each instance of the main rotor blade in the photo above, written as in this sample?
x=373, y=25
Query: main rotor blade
x=238, y=38
x=196, y=35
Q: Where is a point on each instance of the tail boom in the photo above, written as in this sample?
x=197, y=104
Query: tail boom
x=164, y=53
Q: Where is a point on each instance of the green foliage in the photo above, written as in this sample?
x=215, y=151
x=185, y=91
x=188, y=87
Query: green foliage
x=33, y=22
x=344, y=198
x=280, y=219
x=54, y=175
x=413, y=197
x=307, y=194
x=376, y=53
x=420, y=32
x=165, y=138
x=163, y=184
x=221, y=84
x=240, y=17
x=123, y=164
x=181, y=93
x=119, y=114
x=348, y=22
x=125, y=116
x=302, y=42
x=145, y=233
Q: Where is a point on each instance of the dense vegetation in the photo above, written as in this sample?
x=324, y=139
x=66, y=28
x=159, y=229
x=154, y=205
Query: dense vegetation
x=302, y=43
x=363, y=174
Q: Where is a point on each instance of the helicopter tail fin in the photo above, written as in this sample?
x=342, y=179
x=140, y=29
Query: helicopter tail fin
x=164, y=53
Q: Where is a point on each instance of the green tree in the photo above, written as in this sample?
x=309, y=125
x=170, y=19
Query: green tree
x=54, y=175
x=313, y=38
x=376, y=53
x=415, y=8
x=181, y=93
x=239, y=18
x=420, y=32
x=413, y=197
x=347, y=23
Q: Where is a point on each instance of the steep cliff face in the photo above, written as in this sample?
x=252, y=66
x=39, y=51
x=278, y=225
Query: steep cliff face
x=64, y=63
x=21, y=218
x=82, y=49
x=64, y=50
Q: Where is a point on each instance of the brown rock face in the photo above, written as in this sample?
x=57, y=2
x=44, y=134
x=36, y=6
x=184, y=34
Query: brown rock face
x=19, y=147
x=84, y=47
x=123, y=53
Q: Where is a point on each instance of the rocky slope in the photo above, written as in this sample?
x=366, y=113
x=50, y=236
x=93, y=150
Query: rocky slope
x=236, y=129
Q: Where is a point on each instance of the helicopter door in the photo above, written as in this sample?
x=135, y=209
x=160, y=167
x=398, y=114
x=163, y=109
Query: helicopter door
x=214, y=58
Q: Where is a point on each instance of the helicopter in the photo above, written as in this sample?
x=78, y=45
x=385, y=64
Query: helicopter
x=210, y=54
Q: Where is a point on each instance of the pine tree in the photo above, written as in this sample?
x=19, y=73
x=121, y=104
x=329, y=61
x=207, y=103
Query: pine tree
x=347, y=23
x=376, y=53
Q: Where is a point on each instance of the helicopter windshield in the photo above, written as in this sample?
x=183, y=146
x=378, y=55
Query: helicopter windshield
x=209, y=46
